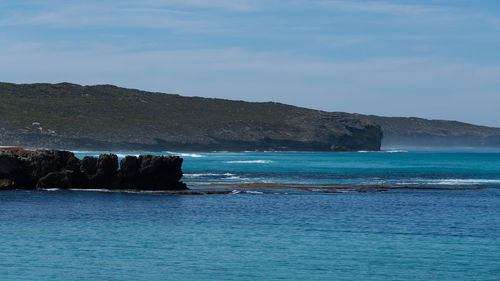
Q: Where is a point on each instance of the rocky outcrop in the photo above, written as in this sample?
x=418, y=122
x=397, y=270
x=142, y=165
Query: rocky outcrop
x=22, y=168
x=147, y=170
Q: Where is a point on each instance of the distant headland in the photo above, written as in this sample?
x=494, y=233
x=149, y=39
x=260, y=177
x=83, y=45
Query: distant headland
x=106, y=117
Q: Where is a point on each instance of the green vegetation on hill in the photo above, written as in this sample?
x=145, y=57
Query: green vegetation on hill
x=109, y=110
x=69, y=115
x=108, y=117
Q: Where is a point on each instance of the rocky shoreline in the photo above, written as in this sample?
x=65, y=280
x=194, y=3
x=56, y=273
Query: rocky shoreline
x=26, y=168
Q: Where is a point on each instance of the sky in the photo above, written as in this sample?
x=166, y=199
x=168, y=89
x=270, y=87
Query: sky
x=437, y=59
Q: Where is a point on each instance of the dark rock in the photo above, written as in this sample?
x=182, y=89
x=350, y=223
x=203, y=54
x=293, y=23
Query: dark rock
x=38, y=168
x=9, y=164
x=150, y=172
x=128, y=175
x=129, y=167
x=88, y=165
x=106, y=171
x=63, y=179
x=34, y=164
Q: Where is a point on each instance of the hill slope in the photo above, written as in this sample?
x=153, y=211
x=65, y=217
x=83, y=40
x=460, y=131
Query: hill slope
x=107, y=117
x=401, y=131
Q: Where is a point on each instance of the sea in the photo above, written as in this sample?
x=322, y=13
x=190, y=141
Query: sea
x=398, y=214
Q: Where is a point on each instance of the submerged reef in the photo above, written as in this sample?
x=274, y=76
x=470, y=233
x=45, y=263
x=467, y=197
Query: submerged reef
x=24, y=168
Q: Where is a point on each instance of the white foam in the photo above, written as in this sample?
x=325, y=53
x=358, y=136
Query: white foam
x=465, y=181
x=250, y=162
x=253, y=192
x=385, y=151
x=236, y=178
x=452, y=181
x=194, y=155
x=84, y=151
x=120, y=190
x=93, y=190
x=201, y=175
x=121, y=155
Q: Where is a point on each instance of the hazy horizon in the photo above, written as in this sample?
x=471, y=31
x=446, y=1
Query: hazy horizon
x=427, y=59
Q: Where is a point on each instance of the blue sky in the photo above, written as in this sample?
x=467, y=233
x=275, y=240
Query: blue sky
x=436, y=59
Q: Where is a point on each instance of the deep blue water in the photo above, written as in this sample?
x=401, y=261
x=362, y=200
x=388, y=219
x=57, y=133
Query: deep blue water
x=402, y=234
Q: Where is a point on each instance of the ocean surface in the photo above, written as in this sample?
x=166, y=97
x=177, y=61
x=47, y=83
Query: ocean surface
x=400, y=214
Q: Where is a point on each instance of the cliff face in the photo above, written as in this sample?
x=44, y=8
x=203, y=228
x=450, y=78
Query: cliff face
x=401, y=131
x=22, y=168
x=110, y=118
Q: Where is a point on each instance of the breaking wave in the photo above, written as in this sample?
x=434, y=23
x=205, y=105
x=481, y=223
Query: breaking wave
x=194, y=155
x=183, y=154
x=205, y=175
x=123, y=155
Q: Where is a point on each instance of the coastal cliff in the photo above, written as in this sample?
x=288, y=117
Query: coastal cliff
x=412, y=131
x=23, y=168
x=106, y=117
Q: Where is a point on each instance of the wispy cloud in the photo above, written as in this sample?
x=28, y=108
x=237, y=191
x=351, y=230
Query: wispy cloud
x=114, y=15
x=420, y=72
x=232, y=5
x=184, y=15
x=378, y=7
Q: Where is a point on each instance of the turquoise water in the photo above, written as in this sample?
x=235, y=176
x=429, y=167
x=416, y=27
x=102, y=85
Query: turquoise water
x=459, y=167
x=402, y=234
